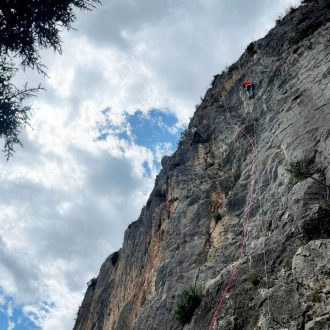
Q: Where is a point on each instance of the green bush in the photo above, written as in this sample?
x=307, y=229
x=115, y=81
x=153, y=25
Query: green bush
x=279, y=19
x=92, y=282
x=216, y=216
x=182, y=137
x=250, y=49
x=187, y=302
x=254, y=279
x=297, y=38
x=292, y=9
x=213, y=81
x=316, y=296
x=298, y=170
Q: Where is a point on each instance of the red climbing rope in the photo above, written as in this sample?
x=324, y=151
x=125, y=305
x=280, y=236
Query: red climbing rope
x=246, y=222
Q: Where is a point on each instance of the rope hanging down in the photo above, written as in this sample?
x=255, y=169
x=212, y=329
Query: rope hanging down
x=244, y=237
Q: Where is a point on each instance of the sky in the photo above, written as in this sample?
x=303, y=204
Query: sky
x=114, y=103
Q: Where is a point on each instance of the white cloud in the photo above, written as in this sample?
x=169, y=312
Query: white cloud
x=2, y=300
x=10, y=309
x=64, y=209
x=11, y=325
x=64, y=197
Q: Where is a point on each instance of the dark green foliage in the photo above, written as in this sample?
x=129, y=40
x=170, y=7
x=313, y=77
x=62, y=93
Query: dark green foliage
x=298, y=170
x=292, y=10
x=316, y=296
x=187, y=302
x=92, y=282
x=216, y=216
x=233, y=67
x=114, y=258
x=182, y=137
x=279, y=19
x=214, y=80
x=250, y=49
x=26, y=26
x=254, y=279
x=295, y=50
x=297, y=38
x=289, y=11
x=307, y=1
x=13, y=114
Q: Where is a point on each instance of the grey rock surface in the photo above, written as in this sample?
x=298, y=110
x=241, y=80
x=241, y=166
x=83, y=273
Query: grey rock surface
x=193, y=223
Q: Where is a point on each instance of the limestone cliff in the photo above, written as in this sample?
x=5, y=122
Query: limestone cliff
x=224, y=208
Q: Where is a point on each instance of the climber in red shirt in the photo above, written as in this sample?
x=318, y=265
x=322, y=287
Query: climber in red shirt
x=248, y=86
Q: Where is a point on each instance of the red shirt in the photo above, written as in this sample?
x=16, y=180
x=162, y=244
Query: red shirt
x=246, y=83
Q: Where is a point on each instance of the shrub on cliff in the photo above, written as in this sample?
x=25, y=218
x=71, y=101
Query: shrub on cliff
x=92, y=282
x=182, y=137
x=298, y=170
x=250, y=49
x=187, y=302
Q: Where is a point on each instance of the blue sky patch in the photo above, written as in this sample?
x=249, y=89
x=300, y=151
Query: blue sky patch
x=145, y=129
x=16, y=316
x=151, y=129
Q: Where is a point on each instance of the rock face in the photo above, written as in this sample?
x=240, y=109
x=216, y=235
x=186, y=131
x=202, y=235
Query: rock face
x=223, y=210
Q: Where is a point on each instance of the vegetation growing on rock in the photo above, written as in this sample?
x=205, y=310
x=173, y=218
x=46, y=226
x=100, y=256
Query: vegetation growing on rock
x=298, y=170
x=187, y=302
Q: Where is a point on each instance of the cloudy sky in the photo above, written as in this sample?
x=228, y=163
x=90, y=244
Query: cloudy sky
x=115, y=102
